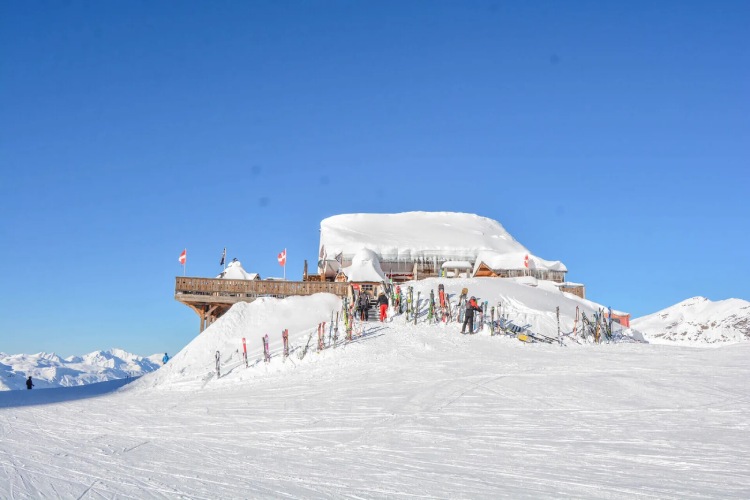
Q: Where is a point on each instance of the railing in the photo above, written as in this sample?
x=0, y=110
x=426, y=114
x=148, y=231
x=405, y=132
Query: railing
x=254, y=288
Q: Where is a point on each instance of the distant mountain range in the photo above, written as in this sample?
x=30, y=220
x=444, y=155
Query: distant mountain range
x=698, y=321
x=50, y=370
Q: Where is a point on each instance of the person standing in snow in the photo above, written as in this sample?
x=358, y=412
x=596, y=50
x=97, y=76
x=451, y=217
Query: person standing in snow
x=29, y=383
x=364, y=306
x=469, y=319
x=165, y=358
x=383, y=305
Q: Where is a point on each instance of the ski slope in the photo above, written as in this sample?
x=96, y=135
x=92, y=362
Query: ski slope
x=402, y=411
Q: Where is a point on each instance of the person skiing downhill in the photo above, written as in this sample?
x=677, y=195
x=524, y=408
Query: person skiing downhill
x=165, y=359
x=29, y=383
x=383, y=305
x=470, y=308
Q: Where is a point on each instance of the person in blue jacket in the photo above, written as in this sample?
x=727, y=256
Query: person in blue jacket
x=165, y=358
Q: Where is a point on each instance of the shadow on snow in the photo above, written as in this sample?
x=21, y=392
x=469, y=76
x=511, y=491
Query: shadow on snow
x=24, y=397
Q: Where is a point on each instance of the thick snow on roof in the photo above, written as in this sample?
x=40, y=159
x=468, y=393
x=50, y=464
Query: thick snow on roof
x=415, y=236
x=515, y=260
x=235, y=271
x=457, y=264
x=365, y=267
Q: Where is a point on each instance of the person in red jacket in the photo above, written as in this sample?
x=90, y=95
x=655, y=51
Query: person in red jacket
x=383, y=305
x=470, y=308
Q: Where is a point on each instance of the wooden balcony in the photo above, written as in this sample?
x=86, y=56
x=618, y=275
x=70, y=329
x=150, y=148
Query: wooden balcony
x=210, y=298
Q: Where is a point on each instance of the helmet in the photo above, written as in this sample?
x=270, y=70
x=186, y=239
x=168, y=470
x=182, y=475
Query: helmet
x=473, y=298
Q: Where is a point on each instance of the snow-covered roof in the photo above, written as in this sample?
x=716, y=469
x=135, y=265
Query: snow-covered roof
x=365, y=267
x=568, y=284
x=234, y=271
x=515, y=261
x=457, y=264
x=415, y=236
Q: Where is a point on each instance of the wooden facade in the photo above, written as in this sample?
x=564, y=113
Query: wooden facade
x=574, y=288
x=210, y=298
x=484, y=271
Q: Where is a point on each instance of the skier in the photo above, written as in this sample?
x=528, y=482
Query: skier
x=364, y=306
x=29, y=383
x=383, y=305
x=470, y=308
x=165, y=359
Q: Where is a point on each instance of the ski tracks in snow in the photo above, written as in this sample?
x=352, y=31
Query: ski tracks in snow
x=406, y=413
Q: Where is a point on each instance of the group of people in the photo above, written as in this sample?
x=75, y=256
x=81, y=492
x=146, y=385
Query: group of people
x=363, y=306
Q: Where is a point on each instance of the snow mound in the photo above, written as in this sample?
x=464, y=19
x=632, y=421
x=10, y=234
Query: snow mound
x=194, y=365
x=698, y=321
x=365, y=267
x=235, y=271
x=524, y=301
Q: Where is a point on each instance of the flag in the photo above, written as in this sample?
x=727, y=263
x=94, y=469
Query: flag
x=526, y=261
x=223, y=256
x=282, y=258
x=183, y=257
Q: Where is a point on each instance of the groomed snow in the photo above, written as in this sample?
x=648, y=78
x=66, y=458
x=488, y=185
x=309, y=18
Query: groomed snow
x=401, y=411
x=404, y=412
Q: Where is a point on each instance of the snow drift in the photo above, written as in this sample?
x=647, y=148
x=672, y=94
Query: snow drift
x=194, y=365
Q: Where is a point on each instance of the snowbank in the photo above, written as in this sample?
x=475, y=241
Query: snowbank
x=365, y=267
x=235, y=271
x=194, y=365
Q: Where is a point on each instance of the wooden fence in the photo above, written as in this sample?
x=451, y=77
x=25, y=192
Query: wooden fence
x=238, y=289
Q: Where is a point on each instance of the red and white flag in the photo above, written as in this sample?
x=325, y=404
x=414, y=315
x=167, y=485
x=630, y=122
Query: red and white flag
x=183, y=257
x=526, y=260
x=282, y=258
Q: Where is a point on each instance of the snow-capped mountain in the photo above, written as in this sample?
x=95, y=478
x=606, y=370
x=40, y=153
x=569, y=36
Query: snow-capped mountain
x=698, y=321
x=49, y=370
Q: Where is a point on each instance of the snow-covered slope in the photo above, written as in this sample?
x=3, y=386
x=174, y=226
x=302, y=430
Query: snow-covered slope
x=698, y=321
x=49, y=370
x=526, y=301
x=193, y=366
x=402, y=411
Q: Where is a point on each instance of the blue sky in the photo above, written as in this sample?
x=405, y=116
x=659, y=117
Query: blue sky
x=610, y=135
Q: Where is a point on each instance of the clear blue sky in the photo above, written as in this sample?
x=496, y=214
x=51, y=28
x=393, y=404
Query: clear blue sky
x=614, y=136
